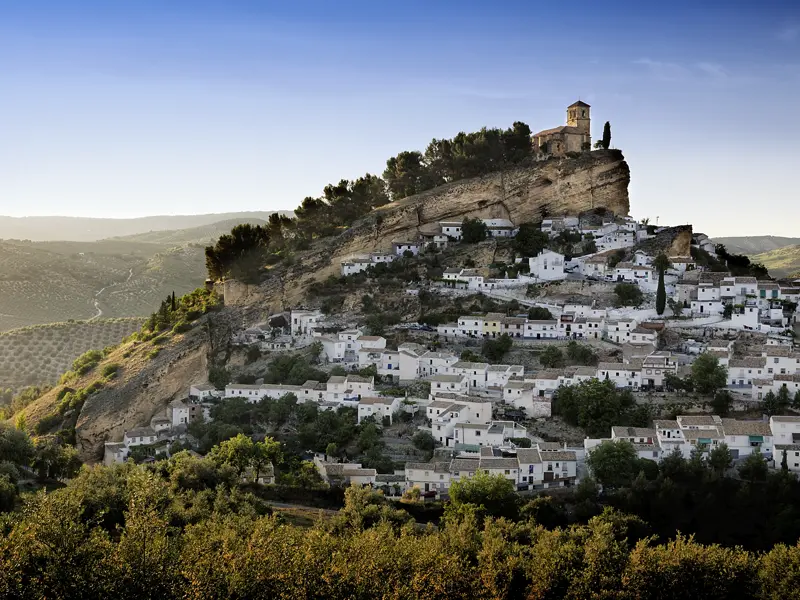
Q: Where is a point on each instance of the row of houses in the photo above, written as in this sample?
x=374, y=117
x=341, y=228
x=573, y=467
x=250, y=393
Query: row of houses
x=577, y=322
x=757, y=305
x=703, y=433
x=542, y=466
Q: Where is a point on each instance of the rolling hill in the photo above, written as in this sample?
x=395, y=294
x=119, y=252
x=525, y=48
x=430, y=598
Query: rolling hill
x=82, y=229
x=203, y=234
x=756, y=244
x=781, y=262
x=52, y=281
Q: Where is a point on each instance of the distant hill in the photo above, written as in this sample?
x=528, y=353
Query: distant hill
x=45, y=282
x=756, y=244
x=82, y=229
x=781, y=262
x=203, y=234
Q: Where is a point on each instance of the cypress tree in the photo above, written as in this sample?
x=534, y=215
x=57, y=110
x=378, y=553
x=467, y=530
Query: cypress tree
x=607, y=135
x=173, y=300
x=661, y=293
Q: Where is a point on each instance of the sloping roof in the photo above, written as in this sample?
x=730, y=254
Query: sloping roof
x=560, y=455
x=528, y=455
x=580, y=104
x=697, y=420
x=645, y=432
x=388, y=401
x=498, y=463
x=748, y=362
x=560, y=129
x=736, y=427
x=464, y=464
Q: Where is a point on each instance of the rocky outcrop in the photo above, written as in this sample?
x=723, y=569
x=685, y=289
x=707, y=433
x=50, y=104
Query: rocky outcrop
x=526, y=193
x=671, y=241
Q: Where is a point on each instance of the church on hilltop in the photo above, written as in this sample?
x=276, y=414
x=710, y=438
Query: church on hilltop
x=575, y=136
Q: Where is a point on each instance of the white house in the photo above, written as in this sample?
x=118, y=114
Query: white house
x=744, y=437
x=401, y=248
x=250, y=392
x=471, y=325
x=656, y=367
x=451, y=229
x=498, y=375
x=378, y=407
x=333, y=349
x=430, y=477
x=179, y=413
x=620, y=374
x=547, y=265
x=448, y=383
x=523, y=396
x=139, y=436
x=742, y=371
x=474, y=372
x=433, y=363
x=303, y=321
x=541, y=329
x=202, y=391
x=500, y=228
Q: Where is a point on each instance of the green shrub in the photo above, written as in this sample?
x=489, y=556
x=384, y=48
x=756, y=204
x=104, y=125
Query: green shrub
x=181, y=327
x=153, y=353
x=111, y=371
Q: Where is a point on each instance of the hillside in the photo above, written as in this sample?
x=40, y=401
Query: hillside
x=757, y=244
x=782, y=262
x=53, y=281
x=522, y=193
x=40, y=354
x=147, y=384
x=83, y=229
x=204, y=234
x=180, y=269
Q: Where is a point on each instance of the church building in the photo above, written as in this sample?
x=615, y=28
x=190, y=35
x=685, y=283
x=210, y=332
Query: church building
x=575, y=136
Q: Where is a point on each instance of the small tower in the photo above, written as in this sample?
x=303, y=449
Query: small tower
x=578, y=116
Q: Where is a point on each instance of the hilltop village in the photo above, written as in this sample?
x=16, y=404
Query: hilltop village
x=585, y=303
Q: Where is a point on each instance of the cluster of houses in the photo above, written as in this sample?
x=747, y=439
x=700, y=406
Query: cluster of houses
x=703, y=433
x=755, y=305
x=165, y=428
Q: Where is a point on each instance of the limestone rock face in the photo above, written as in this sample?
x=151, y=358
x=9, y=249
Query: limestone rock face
x=554, y=187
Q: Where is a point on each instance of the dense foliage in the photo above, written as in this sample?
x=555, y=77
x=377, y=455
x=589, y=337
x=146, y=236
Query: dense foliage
x=596, y=406
x=185, y=528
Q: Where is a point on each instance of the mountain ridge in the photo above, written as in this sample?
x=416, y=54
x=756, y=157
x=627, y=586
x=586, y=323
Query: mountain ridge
x=90, y=229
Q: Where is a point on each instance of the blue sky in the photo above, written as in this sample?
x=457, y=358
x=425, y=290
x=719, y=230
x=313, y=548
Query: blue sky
x=122, y=109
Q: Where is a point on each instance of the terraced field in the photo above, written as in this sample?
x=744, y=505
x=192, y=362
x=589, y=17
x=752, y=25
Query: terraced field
x=40, y=354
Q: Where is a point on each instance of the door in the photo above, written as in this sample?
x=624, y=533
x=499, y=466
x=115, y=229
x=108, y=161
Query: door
x=548, y=476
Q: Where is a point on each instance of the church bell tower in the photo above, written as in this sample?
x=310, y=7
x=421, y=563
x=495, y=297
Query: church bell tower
x=578, y=116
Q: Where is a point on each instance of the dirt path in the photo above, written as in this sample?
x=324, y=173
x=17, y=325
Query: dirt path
x=96, y=300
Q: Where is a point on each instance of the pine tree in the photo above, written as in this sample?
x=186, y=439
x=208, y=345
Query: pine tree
x=607, y=135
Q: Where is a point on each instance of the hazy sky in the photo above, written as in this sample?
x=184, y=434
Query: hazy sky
x=150, y=107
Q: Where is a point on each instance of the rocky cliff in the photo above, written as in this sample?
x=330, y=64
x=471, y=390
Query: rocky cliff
x=526, y=193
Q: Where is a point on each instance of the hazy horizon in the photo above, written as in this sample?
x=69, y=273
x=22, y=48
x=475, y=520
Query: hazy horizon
x=125, y=111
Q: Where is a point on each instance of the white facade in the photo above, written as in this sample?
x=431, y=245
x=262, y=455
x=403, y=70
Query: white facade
x=303, y=321
x=547, y=266
x=378, y=407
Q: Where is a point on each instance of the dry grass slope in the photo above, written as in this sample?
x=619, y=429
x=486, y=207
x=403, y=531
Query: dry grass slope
x=782, y=262
x=40, y=354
